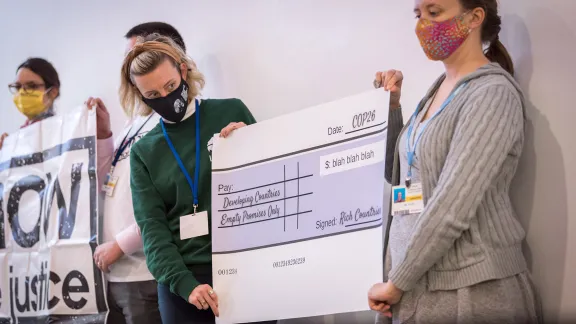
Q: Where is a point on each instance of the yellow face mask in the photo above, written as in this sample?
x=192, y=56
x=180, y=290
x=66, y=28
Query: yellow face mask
x=30, y=103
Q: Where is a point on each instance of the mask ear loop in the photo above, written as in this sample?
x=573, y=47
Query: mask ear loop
x=461, y=17
x=465, y=13
x=50, y=109
x=188, y=100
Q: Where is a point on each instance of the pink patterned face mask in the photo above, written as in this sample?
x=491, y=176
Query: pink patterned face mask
x=440, y=39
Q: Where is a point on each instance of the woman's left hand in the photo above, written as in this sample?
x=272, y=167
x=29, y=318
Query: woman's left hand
x=230, y=128
x=107, y=254
x=103, y=130
x=382, y=295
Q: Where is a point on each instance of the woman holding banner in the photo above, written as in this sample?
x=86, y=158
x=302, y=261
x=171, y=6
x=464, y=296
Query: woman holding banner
x=171, y=173
x=35, y=89
x=455, y=255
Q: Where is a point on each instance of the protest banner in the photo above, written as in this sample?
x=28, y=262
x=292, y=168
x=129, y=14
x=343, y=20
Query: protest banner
x=49, y=223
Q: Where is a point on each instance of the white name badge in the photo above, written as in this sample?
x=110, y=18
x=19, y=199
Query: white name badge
x=194, y=225
x=109, y=185
x=407, y=201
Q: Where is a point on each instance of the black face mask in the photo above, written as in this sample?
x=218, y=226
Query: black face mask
x=173, y=106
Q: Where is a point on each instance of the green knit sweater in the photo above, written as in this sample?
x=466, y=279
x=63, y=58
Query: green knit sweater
x=161, y=194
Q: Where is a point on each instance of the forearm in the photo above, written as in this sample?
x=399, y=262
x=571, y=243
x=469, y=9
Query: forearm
x=164, y=261
x=130, y=239
x=395, y=125
x=105, y=151
x=162, y=255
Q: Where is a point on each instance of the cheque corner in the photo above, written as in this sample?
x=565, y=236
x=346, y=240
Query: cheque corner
x=307, y=129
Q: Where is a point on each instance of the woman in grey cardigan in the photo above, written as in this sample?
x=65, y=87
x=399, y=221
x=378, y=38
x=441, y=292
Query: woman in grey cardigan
x=456, y=256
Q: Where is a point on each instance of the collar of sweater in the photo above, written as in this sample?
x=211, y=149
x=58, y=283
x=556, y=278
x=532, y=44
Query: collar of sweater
x=189, y=111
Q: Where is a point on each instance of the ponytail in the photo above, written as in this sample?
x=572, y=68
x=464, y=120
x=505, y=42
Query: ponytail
x=491, y=27
x=496, y=52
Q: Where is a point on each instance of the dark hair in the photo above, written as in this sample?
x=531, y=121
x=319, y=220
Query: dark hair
x=44, y=69
x=161, y=28
x=496, y=51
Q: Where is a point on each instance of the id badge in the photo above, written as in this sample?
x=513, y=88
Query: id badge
x=406, y=201
x=194, y=225
x=109, y=185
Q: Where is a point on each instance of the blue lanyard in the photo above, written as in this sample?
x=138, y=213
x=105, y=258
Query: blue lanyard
x=411, y=151
x=193, y=185
x=124, y=144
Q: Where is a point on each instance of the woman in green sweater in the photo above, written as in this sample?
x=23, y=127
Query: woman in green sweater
x=171, y=173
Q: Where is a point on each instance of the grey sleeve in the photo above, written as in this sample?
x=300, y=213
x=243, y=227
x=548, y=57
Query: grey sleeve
x=487, y=129
x=395, y=125
x=381, y=319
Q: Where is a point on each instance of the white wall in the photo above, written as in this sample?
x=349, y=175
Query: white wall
x=277, y=56
x=542, y=38
x=283, y=55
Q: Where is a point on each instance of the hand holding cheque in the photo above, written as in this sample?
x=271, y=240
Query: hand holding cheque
x=391, y=81
x=203, y=296
x=382, y=295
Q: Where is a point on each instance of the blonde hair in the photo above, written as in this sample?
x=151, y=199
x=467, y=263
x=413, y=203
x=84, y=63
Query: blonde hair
x=147, y=54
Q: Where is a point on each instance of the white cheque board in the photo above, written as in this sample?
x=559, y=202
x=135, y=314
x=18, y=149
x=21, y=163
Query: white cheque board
x=297, y=212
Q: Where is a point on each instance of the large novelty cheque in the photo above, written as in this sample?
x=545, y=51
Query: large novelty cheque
x=297, y=212
x=48, y=223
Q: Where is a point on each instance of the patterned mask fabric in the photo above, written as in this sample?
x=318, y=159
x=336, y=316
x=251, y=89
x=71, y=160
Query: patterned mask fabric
x=440, y=39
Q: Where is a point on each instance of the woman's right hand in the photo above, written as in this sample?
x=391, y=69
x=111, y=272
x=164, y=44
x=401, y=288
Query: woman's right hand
x=2, y=137
x=204, y=297
x=230, y=128
x=391, y=80
x=103, y=130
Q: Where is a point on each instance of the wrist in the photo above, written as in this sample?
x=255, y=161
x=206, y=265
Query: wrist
x=394, y=288
x=104, y=135
x=117, y=247
x=185, y=286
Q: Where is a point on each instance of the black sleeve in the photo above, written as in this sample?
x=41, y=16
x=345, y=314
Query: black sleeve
x=395, y=125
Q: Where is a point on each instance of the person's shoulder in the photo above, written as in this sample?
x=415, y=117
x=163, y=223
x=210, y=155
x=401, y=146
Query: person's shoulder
x=494, y=93
x=231, y=108
x=487, y=86
x=224, y=104
x=148, y=141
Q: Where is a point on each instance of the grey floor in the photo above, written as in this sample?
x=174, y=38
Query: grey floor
x=349, y=318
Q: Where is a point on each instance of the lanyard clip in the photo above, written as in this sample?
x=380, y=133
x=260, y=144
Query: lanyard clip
x=408, y=182
x=195, y=207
